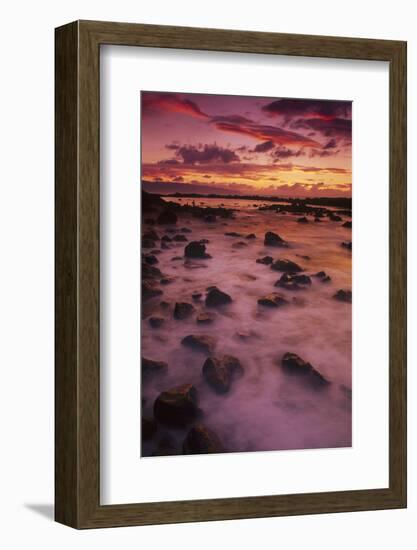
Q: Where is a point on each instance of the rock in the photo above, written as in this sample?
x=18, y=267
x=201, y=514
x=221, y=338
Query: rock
x=200, y=342
x=151, y=235
x=165, y=246
x=210, y=218
x=286, y=265
x=182, y=310
x=251, y=236
x=343, y=296
x=185, y=230
x=180, y=238
x=150, y=272
x=320, y=274
x=167, y=217
x=334, y=218
x=326, y=279
x=233, y=234
x=196, y=296
x=216, y=297
x=316, y=219
x=205, y=317
x=204, y=241
x=347, y=245
x=156, y=251
x=176, y=258
x=164, y=304
x=150, y=259
x=177, y=406
x=304, y=257
x=293, y=364
x=220, y=371
x=149, y=427
x=239, y=244
x=166, y=239
x=149, y=290
x=202, y=440
x=150, y=367
x=290, y=281
x=167, y=280
x=272, y=300
x=147, y=243
x=196, y=249
x=156, y=322
x=272, y=239
x=302, y=220
x=266, y=260
x=347, y=224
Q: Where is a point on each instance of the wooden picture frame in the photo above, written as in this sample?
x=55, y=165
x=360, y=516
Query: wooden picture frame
x=77, y=501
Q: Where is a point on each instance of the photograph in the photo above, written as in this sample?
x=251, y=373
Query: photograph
x=246, y=273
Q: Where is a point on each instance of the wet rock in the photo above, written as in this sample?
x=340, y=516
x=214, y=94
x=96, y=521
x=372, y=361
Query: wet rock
x=176, y=258
x=149, y=428
x=334, y=218
x=156, y=322
x=348, y=225
x=239, y=244
x=147, y=243
x=166, y=239
x=273, y=239
x=272, y=300
x=200, y=342
x=202, y=440
x=185, y=230
x=266, y=260
x=150, y=259
x=196, y=249
x=165, y=246
x=183, y=310
x=167, y=280
x=150, y=272
x=302, y=220
x=156, y=251
x=151, y=368
x=343, y=296
x=220, y=371
x=167, y=217
x=164, y=304
x=347, y=245
x=216, y=297
x=294, y=365
x=150, y=290
x=177, y=406
x=233, y=234
x=196, y=296
x=251, y=236
x=205, y=318
x=180, y=238
x=320, y=274
x=326, y=279
x=151, y=235
x=290, y=281
x=286, y=265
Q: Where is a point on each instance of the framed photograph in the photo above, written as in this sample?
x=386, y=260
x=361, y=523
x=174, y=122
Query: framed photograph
x=230, y=274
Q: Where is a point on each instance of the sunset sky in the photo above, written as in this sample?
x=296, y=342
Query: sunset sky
x=246, y=145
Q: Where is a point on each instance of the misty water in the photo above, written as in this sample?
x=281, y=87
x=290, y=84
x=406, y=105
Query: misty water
x=265, y=409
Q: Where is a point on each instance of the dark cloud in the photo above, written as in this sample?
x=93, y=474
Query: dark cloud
x=206, y=154
x=331, y=144
x=311, y=108
x=283, y=152
x=263, y=147
x=172, y=146
x=336, y=127
x=169, y=162
x=175, y=103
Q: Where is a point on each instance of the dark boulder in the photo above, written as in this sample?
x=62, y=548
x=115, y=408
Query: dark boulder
x=185, y=230
x=266, y=260
x=182, y=310
x=149, y=427
x=286, y=265
x=177, y=406
x=166, y=239
x=196, y=296
x=150, y=367
x=334, y=218
x=348, y=225
x=167, y=280
x=205, y=317
x=294, y=365
x=233, y=234
x=156, y=322
x=147, y=243
x=272, y=300
x=202, y=440
x=180, y=238
x=151, y=235
x=196, y=249
x=220, y=371
x=343, y=296
x=216, y=297
x=251, y=236
x=290, y=281
x=167, y=217
x=273, y=239
x=150, y=259
x=347, y=245
x=150, y=290
x=302, y=220
x=150, y=272
x=200, y=342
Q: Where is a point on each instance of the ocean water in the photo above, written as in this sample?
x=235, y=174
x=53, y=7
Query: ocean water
x=265, y=409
